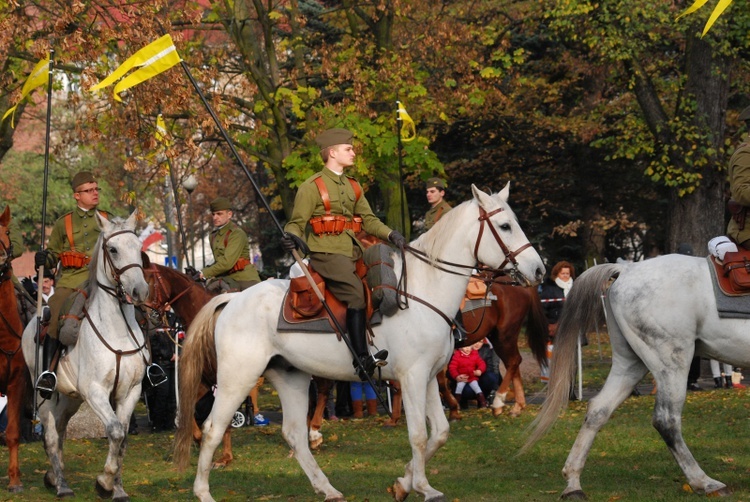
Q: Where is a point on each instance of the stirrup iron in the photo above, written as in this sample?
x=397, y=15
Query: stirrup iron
x=156, y=375
x=46, y=384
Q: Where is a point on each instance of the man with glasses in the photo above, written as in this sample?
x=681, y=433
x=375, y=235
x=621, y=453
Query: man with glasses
x=71, y=243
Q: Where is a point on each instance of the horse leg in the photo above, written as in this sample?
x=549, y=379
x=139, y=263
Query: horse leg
x=16, y=389
x=620, y=382
x=226, y=453
x=422, y=407
x=396, y=413
x=54, y=415
x=450, y=399
x=292, y=387
x=316, y=421
x=229, y=397
x=667, y=419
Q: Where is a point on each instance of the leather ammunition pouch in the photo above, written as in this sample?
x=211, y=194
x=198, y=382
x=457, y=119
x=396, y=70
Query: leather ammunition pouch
x=241, y=263
x=334, y=224
x=74, y=259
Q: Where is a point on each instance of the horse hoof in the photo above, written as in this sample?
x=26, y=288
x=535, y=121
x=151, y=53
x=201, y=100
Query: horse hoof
x=399, y=494
x=15, y=488
x=123, y=498
x=439, y=498
x=721, y=492
x=496, y=412
x=336, y=499
x=101, y=491
x=315, y=444
x=574, y=495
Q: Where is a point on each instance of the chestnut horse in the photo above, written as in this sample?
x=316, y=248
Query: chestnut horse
x=501, y=324
x=14, y=375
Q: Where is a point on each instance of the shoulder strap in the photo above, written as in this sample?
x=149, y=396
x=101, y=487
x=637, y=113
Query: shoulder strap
x=357, y=189
x=323, y=194
x=226, y=237
x=69, y=229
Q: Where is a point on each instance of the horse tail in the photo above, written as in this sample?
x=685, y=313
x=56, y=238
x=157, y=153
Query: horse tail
x=537, y=328
x=198, y=357
x=583, y=308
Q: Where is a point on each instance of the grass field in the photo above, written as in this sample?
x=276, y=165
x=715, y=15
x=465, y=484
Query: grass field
x=627, y=462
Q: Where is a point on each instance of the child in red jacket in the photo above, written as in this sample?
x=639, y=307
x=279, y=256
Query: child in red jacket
x=466, y=366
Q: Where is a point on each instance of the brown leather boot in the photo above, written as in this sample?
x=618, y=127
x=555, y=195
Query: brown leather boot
x=481, y=401
x=357, y=408
x=372, y=407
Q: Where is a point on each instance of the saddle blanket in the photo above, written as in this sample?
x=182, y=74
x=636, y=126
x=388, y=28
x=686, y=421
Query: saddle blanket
x=481, y=303
x=728, y=307
x=321, y=325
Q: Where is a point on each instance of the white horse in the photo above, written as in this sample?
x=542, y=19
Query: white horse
x=106, y=366
x=418, y=339
x=659, y=313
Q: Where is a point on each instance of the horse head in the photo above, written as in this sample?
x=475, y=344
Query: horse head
x=499, y=231
x=118, y=263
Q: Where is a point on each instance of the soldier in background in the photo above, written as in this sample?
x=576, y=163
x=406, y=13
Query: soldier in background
x=438, y=205
x=738, y=228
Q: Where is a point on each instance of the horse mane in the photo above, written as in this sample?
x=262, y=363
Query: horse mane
x=432, y=242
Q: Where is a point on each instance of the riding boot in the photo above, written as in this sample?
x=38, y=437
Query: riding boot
x=728, y=380
x=47, y=381
x=372, y=407
x=355, y=325
x=718, y=383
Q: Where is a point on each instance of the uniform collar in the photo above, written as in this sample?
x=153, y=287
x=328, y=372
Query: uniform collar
x=338, y=178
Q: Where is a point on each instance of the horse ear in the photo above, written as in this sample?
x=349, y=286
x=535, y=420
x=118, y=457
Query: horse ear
x=130, y=222
x=485, y=201
x=104, y=224
x=5, y=217
x=146, y=260
x=505, y=192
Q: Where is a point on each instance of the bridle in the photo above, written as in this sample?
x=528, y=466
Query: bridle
x=117, y=291
x=487, y=274
x=160, y=301
x=5, y=266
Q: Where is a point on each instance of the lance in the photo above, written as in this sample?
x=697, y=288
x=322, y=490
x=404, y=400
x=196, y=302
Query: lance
x=340, y=331
x=40, y=273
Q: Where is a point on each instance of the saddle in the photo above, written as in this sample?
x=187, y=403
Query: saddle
x=302, y=307
x=733, y=273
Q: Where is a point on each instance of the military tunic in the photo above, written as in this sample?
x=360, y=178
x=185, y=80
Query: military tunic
x=333, y=256
x=435, y=213
x=739, y=187
x=85, y=233
x=308, y=203
x=229, y=243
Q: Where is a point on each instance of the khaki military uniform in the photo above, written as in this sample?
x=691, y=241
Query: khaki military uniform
x=230, y=245
x=334, y=256
x=85, y=235
x=739, y=187
x=435, y=213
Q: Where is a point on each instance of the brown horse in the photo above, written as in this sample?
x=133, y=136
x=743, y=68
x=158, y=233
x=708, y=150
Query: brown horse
x=14, y=375
x=170, y=288
x=501, y=325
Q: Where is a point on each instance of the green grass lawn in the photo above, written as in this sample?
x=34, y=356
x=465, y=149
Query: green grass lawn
x=479, y=463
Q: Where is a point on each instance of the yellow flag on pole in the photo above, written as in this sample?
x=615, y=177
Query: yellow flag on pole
x=718, y=10
x=408, y=130
x=153, y=59
x=161, y=131
x=38, y=76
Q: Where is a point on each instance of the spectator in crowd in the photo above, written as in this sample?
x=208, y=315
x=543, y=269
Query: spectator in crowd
x=465, y=367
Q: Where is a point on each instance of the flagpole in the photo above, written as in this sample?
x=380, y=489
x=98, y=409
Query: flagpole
x=339, y=330
x=40, y=273
x=399, y=124
x=177, y=208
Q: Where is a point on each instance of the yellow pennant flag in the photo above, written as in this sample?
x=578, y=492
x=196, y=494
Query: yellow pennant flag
x=161, y=132
x=408, y=129
x=718, y=10
x=153, y=59
x=38, y=76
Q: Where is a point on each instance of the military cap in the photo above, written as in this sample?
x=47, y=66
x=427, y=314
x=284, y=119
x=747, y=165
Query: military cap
x=436, y=183
x=745, y=114
x=333, y=137
x=220, y=204
x=81, y=179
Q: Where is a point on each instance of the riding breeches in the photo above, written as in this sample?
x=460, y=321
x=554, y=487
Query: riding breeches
x=341, y=277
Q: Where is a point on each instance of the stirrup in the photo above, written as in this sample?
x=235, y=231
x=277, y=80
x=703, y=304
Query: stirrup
x=46, y=384
x=156, y=375
x=459, y=335
x=379, y=358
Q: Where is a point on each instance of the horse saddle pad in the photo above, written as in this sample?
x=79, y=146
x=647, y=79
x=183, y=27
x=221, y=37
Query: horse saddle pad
x=731, y=280
x=302, y=310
